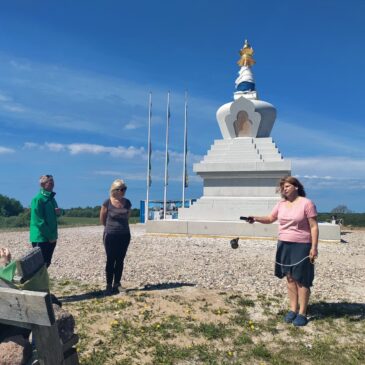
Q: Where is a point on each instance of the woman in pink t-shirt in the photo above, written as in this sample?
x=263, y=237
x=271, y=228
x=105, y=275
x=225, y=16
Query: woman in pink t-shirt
x=297, y=245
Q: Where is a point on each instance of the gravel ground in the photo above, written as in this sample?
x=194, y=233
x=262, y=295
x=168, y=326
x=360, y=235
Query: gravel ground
x=204, y=262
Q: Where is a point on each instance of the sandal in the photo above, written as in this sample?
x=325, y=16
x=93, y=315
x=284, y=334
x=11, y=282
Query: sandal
x=300, y=320
x=290, y=316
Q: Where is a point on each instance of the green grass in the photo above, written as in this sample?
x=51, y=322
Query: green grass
x=78, y=221
x=169, y=327
x=64, y=221
x=86, y=221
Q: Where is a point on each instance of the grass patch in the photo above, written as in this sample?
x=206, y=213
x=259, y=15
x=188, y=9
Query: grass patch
x=183, y=327
x=212, y=331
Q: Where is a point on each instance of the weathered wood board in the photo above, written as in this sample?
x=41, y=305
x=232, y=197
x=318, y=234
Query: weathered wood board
x=26, y=306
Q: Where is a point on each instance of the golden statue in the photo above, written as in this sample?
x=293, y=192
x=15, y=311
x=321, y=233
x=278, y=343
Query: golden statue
x=246, y=54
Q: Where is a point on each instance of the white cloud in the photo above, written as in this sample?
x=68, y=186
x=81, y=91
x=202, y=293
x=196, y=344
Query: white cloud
x=128, y=176
x=127, y=152
x=94, y=149
x=330, y=172
x=142, y=176
x=330, y=141
x=7, y=104
x=131, y=125
x=32, y=145
x=55, y=147
x=119, y=151
x=20, y=65
x=59, y=98
x=134, y=124
x=176, y=156
x=13, y=108
x=4, y=97
x=107, y=173
x=343, y=167
x=6, y=150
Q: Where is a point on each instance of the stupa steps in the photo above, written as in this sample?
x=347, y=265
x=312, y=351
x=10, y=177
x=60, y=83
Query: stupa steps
x=243, y=149
x=228, y=168
x=238, y=159
x=225, y=210
x=244, y=140
x=235, y=200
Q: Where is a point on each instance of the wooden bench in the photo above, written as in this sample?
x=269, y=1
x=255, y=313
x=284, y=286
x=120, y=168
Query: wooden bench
x=33, y=310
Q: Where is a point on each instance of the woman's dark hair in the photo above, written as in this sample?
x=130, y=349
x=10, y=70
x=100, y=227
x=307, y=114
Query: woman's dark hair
x=293, y=181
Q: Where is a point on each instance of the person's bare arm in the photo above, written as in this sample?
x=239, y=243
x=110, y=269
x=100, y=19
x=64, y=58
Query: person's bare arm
x=314, y=237
x=103, y=213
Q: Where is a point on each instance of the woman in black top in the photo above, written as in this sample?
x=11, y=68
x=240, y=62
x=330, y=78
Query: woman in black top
x=114, y=214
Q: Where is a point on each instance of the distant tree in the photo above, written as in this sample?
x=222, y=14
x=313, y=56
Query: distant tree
x=9, y=207
x=341, y=209
x=135, y=212
x=87, y=212
x=91, y=212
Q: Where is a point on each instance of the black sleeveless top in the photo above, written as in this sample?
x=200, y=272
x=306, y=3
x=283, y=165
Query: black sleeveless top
x=117, y=218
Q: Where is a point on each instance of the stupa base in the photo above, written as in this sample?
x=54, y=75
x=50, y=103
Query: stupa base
x=327, y=232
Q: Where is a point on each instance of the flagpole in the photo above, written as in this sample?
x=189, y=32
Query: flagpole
x=166, y=154
x=148, y=158
x=185, y=150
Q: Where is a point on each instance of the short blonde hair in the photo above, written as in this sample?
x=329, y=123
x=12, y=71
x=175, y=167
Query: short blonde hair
x=44, y=179
x=117, y=184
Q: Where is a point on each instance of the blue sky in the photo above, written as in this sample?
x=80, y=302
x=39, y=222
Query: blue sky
x=75, y=78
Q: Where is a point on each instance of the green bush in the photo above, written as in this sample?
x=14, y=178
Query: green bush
x=91, y=212
x=9, y=207
x=348, y=219
x=21, y=220
x=88, y=212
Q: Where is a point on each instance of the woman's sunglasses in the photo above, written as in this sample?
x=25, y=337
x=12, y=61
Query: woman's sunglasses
x=121, y=189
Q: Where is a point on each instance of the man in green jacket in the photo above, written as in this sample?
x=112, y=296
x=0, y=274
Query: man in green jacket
x=43, y=219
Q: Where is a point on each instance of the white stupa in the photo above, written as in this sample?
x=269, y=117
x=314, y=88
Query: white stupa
x=240, y=172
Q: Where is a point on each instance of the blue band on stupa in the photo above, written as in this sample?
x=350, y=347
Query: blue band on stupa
x=246, y=86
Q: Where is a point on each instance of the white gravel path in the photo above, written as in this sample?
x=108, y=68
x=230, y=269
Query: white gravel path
x=204, y=262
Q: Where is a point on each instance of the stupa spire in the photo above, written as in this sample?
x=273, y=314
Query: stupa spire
x=245, y=82
x=246, y=54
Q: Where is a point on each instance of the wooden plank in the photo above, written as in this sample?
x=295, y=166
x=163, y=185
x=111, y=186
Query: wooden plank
x=29, y=264
x=71, y=357
x=17, y=324
x=26, y=306
x=71, y=342
x=5, y=284
x=48, y=344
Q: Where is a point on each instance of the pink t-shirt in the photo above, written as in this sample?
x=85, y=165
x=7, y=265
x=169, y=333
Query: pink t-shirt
x=293, y=219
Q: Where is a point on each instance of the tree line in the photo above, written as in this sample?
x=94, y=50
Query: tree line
x=13, y=214
x=90, y=212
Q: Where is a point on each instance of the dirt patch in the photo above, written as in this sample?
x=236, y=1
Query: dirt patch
x=191, y=325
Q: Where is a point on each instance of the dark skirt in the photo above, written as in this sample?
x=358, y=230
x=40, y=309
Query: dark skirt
x=292, y=259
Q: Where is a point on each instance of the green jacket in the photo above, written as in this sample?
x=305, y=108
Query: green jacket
x=43, y=218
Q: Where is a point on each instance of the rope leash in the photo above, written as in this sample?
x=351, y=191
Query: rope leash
x=311, y=261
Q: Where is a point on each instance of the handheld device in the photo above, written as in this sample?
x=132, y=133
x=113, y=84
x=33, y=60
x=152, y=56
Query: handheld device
x=248, y=219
